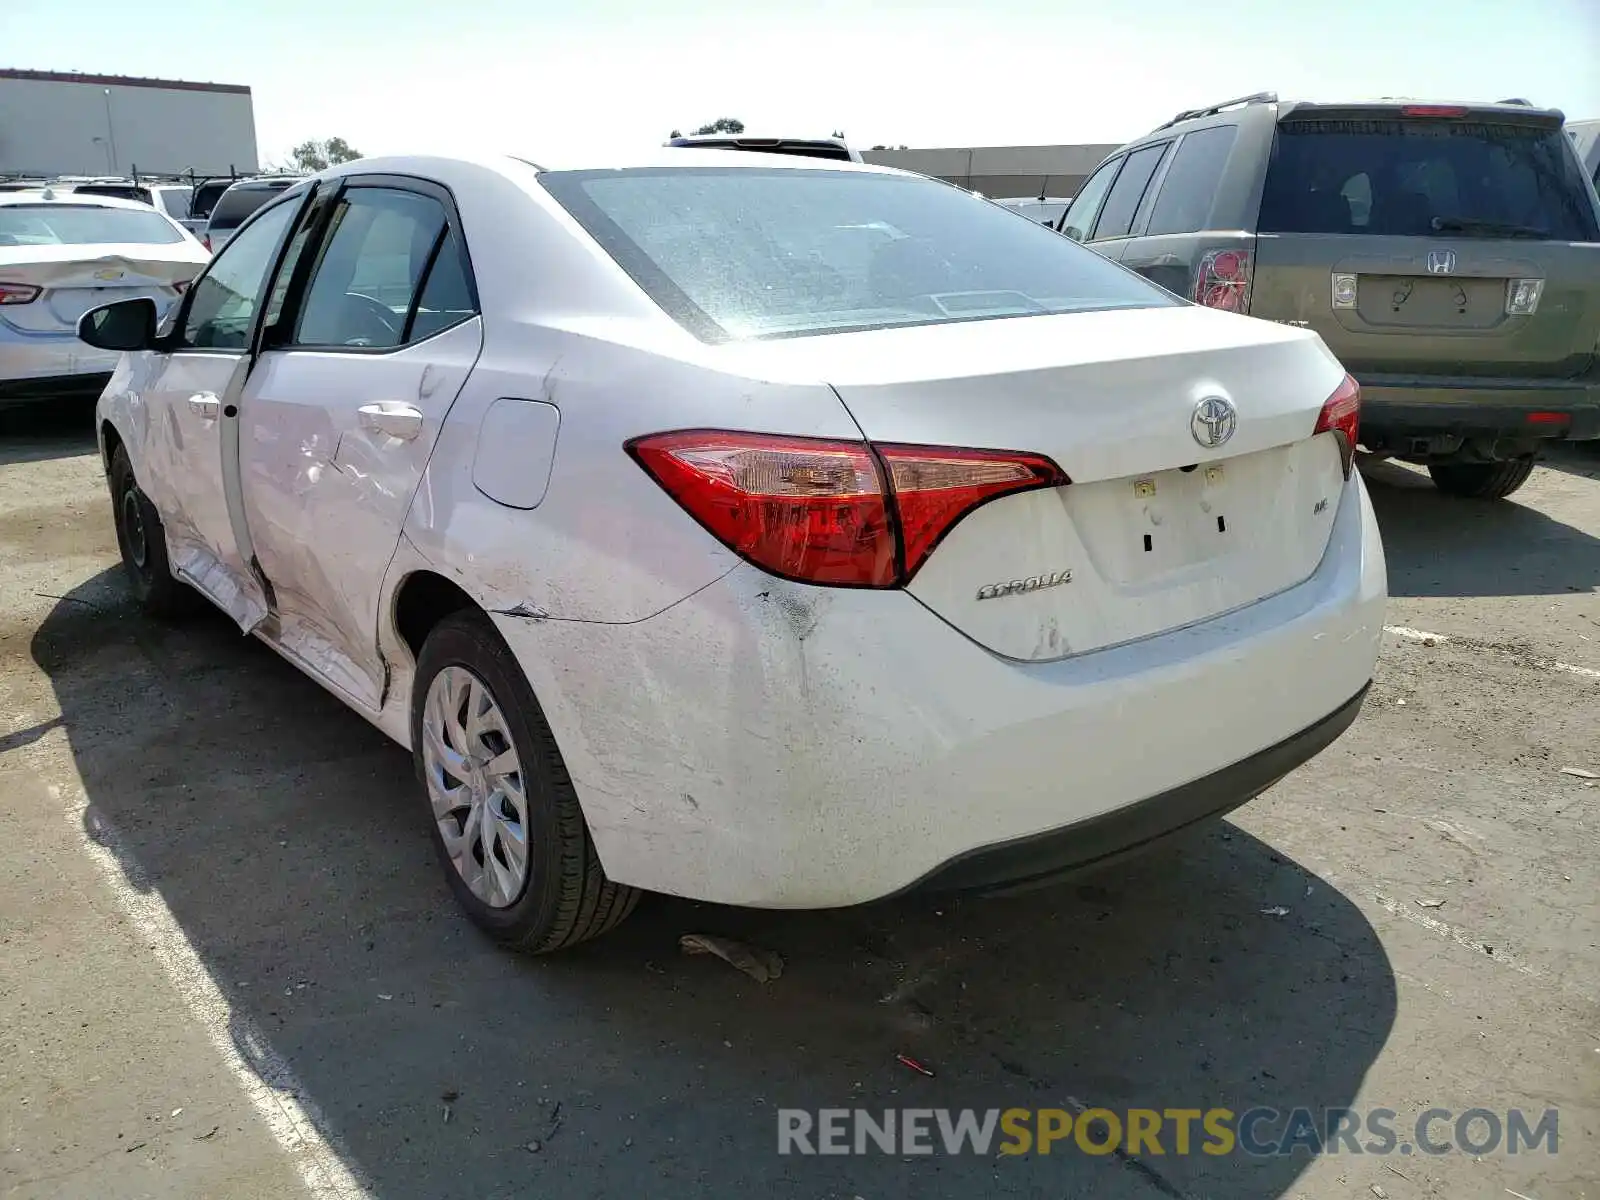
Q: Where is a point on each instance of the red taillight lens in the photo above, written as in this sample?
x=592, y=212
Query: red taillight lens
x=18, y=293
x=1341, y=416
x=819, y=511
x=934, y=488
x=1223, y=280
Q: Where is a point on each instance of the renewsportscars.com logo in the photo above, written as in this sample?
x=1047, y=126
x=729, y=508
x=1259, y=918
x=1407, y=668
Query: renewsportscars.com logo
x=1259, y=1132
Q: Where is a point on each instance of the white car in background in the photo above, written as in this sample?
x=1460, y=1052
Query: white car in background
x=758, y=529
x=62, y=253
x=1047, y=210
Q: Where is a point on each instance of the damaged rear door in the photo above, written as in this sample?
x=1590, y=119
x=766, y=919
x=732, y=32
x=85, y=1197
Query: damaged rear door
x=340, y=414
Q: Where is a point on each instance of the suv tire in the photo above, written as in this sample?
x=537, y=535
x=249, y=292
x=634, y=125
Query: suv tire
x=563, y=896
x=1481, y=481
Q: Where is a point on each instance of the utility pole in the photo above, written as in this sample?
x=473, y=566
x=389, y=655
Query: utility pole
x=111, y=131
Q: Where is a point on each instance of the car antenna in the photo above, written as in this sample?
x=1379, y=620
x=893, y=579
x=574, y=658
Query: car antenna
x=1044, y=187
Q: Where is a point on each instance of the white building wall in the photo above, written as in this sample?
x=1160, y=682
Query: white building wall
x=54, y=127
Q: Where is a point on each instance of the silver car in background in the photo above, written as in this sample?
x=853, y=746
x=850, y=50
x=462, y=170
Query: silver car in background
x=63, y=253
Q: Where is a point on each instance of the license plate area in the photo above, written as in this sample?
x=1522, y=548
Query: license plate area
x=1430, y=302
x=1149, y=528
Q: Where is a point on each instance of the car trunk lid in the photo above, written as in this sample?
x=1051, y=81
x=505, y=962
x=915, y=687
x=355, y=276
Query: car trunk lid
x=1157, y=530
x=74, y=279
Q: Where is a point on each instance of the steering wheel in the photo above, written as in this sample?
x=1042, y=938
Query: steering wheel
x=380, y=315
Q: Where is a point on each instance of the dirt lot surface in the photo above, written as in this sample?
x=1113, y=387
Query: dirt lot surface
x=229, y=966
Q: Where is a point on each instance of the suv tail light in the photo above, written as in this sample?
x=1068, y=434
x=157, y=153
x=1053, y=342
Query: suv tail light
x=1341, y=416
x=1223, y=280
x=840, y=513
x=205, y=240
x=18, y=293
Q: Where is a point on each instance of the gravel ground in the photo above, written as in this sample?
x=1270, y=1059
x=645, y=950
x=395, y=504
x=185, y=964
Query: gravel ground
x=229, y=967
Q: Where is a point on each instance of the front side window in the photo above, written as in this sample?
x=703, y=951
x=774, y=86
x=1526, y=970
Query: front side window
x=223, y=304
x=1116, y=219
x=1425, y=178
x=380, y=243
x=52, y=224
x=1086, y=204
x=769, y=252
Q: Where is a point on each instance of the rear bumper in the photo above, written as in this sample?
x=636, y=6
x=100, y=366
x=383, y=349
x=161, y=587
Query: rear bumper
x=776, y=745
x=41, y=357
x=1047, y=858
x=1394, y=409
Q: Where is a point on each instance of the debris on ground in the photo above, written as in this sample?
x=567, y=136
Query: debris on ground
x=534, y=1146
x=907, y=1060
x=1579, y=773
x=761, y=965
x=1277, y=910
x=449, y=1096
x=210, y=1133
x=1430, y=903
x=384, y=996
x=1379, y=1192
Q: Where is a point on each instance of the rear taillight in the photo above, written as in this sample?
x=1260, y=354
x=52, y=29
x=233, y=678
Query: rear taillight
x=18, y=293
x=840, y=513
x=1223, y=281
x=1341, y=416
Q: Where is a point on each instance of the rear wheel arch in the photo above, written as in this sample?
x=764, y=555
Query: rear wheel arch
x=422, y=600
x=110, y=442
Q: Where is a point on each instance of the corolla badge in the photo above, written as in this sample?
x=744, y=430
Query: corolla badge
x=1016, y=587
x=1213, y=421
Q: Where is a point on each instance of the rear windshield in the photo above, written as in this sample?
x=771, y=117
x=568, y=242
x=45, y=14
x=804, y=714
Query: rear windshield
x=1423, y=178
x=82, y=225
x=118, y=191
x=239, y=203
x=756, y=252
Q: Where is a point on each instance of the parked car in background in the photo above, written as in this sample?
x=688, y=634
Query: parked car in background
x=1447, y=253
x=61, y=254
x=1047, y=210
x=884, y=535
x=237, y=202
x=830, y=147
x=171, y=198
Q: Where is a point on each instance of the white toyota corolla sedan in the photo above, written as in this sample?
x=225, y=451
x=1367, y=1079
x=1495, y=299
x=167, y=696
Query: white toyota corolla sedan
x=61, y=254
x=769, y=531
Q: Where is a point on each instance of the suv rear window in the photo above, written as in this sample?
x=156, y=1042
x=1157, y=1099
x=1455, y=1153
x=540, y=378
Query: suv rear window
x=239, y=202
x=1421, y=178
x=772, y=252
x=206, y=196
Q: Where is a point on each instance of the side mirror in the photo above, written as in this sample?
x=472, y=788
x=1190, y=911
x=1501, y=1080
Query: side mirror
x=125, y=325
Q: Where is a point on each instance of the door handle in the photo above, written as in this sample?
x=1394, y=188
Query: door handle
x=394, y=418
x=205, y=406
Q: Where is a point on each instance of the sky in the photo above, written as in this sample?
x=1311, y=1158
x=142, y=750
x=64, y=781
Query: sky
x=560, y=80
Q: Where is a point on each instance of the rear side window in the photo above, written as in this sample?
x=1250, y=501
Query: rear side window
x=1417, y=178
x=1117, y=216
x=758, y=252
x=381, y=241
x=1190, y=187
x=238, y=203
x=82, y=225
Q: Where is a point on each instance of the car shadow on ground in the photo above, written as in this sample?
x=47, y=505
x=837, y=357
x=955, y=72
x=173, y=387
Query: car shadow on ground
x=46, y=430
x=288, y=839
x=1440, y=545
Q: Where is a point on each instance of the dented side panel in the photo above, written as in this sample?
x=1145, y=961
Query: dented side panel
x=332, y=447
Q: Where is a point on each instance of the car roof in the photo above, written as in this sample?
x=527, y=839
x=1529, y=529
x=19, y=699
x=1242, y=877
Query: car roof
x=643, y=158
x=63, y=196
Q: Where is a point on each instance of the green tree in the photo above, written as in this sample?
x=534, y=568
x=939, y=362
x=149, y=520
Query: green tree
x=721, y=125
x=312, y=155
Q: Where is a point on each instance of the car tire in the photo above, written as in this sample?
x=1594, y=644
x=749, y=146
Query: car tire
x=1481, y=481
x=563, y=896
x=143, y=541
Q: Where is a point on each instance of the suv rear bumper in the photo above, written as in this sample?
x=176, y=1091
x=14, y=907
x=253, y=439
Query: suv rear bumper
x=1393, y=410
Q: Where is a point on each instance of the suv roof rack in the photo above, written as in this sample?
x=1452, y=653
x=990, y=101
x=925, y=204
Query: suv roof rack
x=1213, y=110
